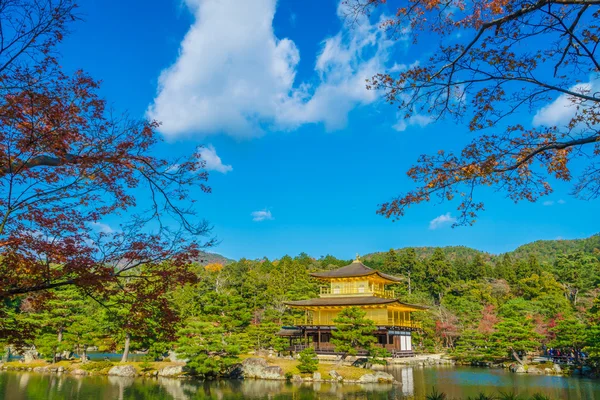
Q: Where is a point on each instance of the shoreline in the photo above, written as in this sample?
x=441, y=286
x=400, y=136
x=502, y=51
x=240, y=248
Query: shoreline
x=278, y=368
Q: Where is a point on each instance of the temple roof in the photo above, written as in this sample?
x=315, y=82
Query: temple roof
x=350, y=301
x=355, y=269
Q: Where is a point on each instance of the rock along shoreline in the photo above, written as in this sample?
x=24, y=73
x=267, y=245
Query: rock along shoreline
x=260, y=368
x=250, y=368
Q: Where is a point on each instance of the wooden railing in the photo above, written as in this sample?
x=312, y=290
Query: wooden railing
x=315, y=321
x=325, y=291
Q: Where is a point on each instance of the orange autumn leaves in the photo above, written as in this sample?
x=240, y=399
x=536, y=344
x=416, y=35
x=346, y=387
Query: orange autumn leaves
x=494, y=65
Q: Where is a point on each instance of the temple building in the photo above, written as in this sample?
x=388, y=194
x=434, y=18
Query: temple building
x=360, y=286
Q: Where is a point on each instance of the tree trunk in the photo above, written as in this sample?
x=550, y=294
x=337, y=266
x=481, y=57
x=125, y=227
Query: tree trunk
x=126, y=348
x=59, y=337
x=84, y=357
x=516, y=356
x=409, y=288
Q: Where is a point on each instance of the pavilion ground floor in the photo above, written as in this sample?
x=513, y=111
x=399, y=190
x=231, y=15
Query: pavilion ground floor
x=397, y=340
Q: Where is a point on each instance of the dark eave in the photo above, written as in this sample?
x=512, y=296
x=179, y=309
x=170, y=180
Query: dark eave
x=356, y=269
x=349, y=301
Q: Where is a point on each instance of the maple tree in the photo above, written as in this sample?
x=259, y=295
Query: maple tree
x=498, y=62
x=66, y=162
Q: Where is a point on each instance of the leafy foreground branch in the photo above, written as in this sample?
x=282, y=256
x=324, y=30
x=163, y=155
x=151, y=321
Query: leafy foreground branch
x=435, y=395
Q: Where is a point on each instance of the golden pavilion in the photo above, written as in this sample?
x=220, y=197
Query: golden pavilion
x=360, y=286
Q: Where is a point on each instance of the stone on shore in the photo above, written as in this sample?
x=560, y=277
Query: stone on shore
x=377, y=377
x=172, y=371
x=557, y=368
x=258, y=368
x=335, y=375
x=316, y=376
x=30, y=355
x=520, y=370
x=79, y=371
x=123, y=370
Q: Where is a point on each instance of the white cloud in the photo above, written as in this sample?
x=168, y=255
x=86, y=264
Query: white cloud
x=563, y=109
x=212, y=161
x=234, y=76
x=415, y=119
x=102, y=227
x=262, y=215
x=552, y=202
x=441, y=221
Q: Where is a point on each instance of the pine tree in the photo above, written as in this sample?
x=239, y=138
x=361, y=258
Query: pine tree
x=412, y=268
x=514, y=337
x=353, y=331
x=578, y=272
x=391, y=263
x=210, y=350
x=439, y=274
x=309, y=362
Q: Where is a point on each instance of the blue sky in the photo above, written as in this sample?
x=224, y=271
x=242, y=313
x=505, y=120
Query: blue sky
x=301, y=154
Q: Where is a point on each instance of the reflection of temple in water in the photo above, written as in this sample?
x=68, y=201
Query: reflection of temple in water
x=408, y=382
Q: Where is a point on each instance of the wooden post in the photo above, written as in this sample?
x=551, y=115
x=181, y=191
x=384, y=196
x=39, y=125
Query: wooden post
x=319, y=338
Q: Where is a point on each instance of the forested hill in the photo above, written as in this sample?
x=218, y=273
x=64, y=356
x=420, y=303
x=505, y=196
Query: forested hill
x=543, y=250
x=206, y=258
x=451, y=252
x=548, y=250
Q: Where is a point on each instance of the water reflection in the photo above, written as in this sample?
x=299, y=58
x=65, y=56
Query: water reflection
x=416, y=382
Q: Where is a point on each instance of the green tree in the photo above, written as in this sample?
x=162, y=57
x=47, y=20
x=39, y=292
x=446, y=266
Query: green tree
x=578, y=273
x=207, y=346
x=309, y=362
x=391, y=263
x=61, y=311
x=471, y=346
x=412, y=268
x=514, y=336
x=570, y=333
x=439, y=274
x=505, y=269
x=353, y=331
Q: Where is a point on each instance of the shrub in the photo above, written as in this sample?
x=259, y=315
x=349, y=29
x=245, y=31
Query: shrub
x=309, y=362
x=508, y=396
x=482, y=396
x=97, y=365
x=435, y=395
x=146, y=365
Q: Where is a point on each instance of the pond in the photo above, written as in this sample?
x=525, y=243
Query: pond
x=98, y=356
x=456, y=382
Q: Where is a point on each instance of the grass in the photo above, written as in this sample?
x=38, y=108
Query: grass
x=290, y=366
x=102, y=367
x=435, y=395
x=94, y=367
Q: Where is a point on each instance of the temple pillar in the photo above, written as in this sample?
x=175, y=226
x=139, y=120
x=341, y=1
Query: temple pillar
x=319, y=338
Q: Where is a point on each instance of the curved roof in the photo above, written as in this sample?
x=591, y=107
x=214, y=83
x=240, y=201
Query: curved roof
x=355, y=269
x=350, y=301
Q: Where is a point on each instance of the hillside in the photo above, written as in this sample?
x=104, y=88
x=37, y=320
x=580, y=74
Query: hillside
x=544, y=250
x=206, y=258
x=451, y=252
